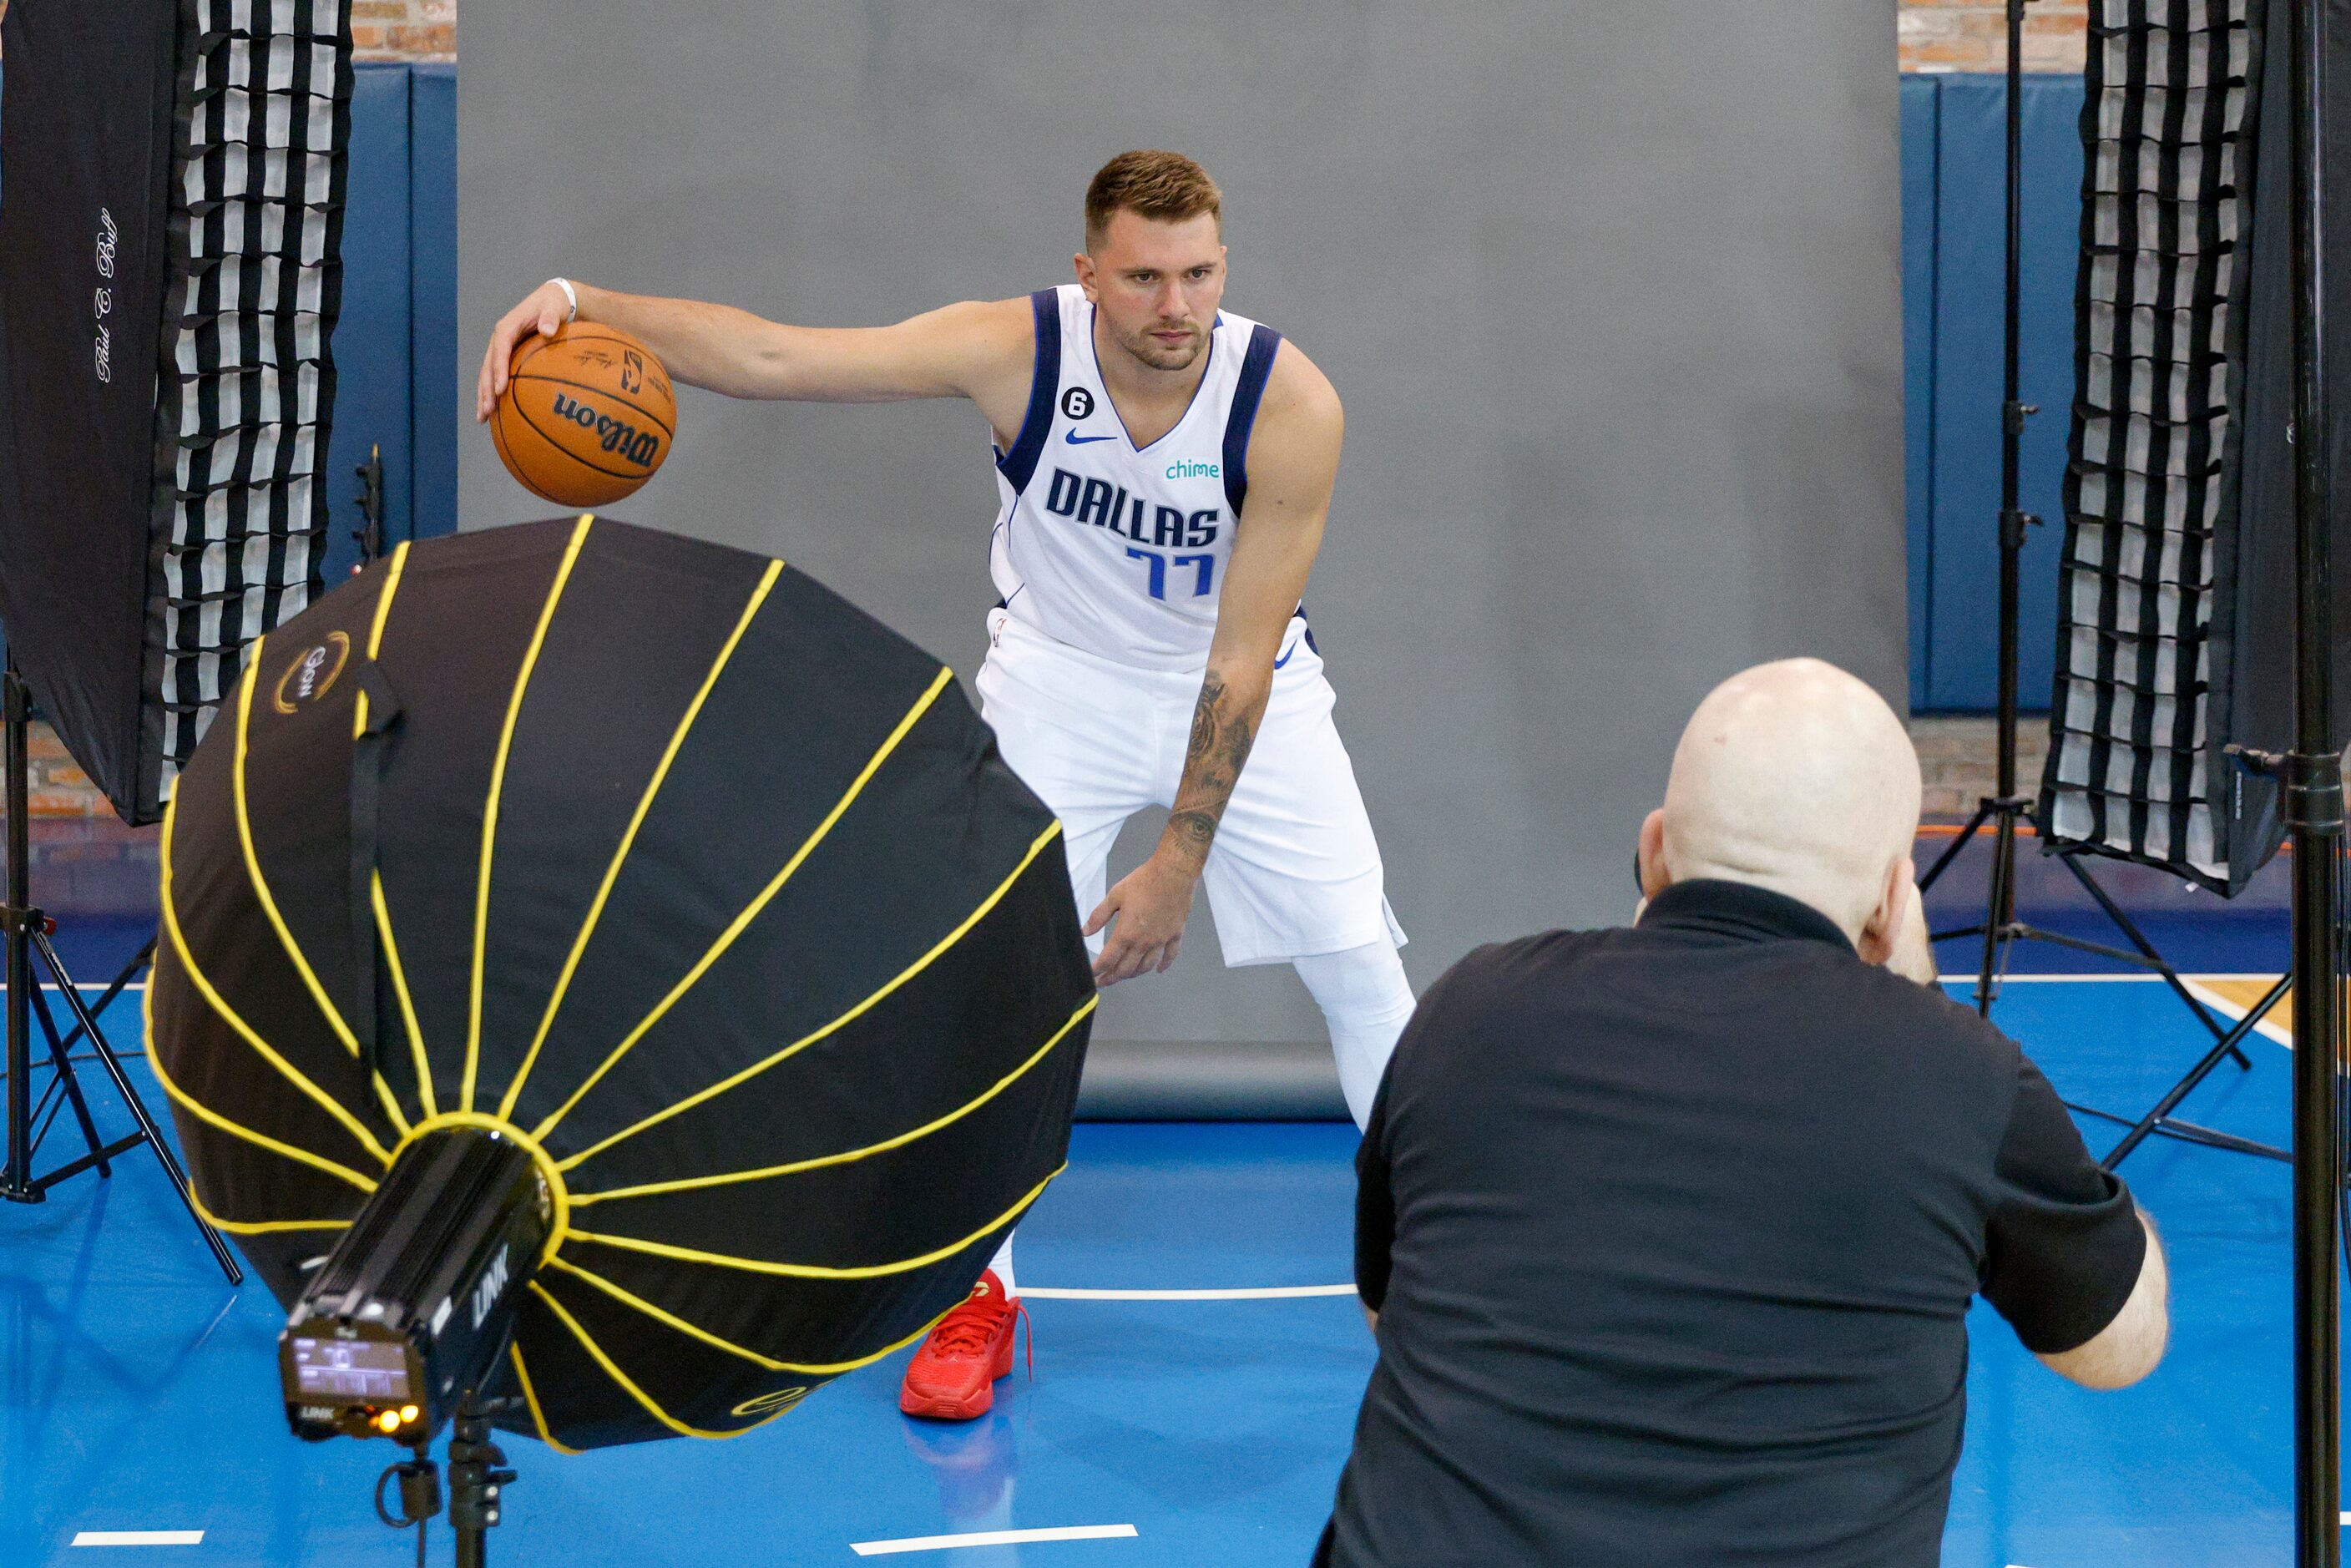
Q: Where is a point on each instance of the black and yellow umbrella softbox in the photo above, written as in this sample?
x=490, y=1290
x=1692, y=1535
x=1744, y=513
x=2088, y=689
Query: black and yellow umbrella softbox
x=676, y=870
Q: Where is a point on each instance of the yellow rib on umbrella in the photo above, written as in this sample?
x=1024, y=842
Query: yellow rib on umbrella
x=674, y=867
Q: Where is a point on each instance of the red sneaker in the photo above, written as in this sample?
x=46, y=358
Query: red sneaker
x=952, y=1376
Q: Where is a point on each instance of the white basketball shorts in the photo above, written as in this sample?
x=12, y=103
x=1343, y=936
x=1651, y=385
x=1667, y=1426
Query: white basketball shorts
x=1294, y=870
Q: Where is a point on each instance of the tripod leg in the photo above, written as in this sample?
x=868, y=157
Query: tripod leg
x=2162, y=966
x=123, y=978
x=62, y=1059
x=1959, y=842
x=2226, y=1046
x=129, y=1092
x=2000, y=911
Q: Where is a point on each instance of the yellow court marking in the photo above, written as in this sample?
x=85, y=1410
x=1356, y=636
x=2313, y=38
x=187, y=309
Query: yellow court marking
x=926, y=1130
x=229, y=1015
x=213, y=1118
x=560, y=1226
x=819, y=1271
x=327, y=1008
x=425, y=1095
x=490, y=810
x=662, y=1315
x=908, y=973
x=737, y=927
x=530, y=1397
x=613, y=1371
x=629, y=839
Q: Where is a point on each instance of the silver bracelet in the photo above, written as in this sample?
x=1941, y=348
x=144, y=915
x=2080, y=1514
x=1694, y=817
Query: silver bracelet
x=569, y=293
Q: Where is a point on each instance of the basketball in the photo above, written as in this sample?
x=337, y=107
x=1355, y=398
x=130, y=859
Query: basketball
x=587, y=417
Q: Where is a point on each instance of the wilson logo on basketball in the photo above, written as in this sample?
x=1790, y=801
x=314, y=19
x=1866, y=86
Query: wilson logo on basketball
x=616, y=436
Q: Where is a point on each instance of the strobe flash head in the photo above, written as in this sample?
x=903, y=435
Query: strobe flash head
x=409, y=1314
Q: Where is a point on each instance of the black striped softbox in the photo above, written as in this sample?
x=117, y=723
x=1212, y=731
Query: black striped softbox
x=169, y=280
x=2174, y=632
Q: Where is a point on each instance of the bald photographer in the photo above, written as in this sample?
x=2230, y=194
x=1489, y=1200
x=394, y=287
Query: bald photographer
x=1669, y=1232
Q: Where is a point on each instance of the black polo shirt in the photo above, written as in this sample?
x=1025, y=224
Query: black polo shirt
x=1672, y=1230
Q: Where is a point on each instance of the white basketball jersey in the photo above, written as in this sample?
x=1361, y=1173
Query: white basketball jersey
x=1113, y=549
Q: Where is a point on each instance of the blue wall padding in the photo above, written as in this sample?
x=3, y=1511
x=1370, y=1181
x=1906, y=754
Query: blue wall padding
x=433, y=296
x=396, y=341
x=372, y=356
x=1921, y=135
x=1961, y=571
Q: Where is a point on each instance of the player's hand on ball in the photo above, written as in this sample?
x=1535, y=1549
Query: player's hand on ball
x=546, y=308
x=1151, y=903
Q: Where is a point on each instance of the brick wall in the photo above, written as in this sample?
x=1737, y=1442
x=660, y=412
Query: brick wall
x=404, y=29
x=60, y=789
x=1937, y=34
x=1965, y=35
x=1959, y=761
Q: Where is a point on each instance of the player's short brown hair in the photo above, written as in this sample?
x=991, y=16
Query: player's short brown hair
x=1166, y=187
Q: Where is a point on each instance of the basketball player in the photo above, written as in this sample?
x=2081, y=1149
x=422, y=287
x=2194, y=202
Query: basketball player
x=1166, y=469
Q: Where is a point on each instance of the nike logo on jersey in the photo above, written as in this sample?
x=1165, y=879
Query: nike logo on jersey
x=1074, y=439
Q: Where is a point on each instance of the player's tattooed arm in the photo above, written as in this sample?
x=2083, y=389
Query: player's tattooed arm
x=1224, y=728
x=1294, y=461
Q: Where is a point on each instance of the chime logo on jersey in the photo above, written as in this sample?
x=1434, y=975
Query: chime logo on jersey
x=1100, y=504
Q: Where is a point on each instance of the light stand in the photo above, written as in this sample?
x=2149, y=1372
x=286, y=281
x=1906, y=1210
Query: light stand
x=26, y=931
x=2004, y=811
x=2312, y=774
x=476, y=1479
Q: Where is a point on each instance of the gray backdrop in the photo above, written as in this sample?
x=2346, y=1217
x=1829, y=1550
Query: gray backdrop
x=1610, y=292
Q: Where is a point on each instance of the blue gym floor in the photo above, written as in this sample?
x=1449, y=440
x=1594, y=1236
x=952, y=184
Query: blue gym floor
x=138, y=1393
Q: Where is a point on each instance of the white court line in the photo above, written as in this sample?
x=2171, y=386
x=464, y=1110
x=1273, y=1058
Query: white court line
x=992, y=1538
x=1260, y=1293
x=1970, y=978
x=2268, y=1028
x=139, y=1538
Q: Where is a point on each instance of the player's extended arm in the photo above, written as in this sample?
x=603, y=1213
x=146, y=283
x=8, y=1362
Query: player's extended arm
x=1294, y=461
x=984, y=350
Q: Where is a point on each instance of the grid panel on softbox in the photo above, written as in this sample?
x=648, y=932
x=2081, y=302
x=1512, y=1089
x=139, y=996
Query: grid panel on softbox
x=246, y=398
x=2158, y=352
